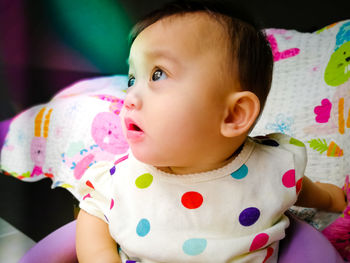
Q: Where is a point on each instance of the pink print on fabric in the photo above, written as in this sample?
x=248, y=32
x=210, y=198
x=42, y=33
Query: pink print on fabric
x=279, y=55
x=288, y=178
x=121, y=159
x=259, y=241
x=269, y=253
x=37, y=170
x=82, y=166
x=112, y=204
x=323, y=111
x=87, y=196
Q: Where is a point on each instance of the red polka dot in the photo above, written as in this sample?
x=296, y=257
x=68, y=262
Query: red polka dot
x=288, y=178
x=192, y=200
x=269, y=253
x=89, y=184
x=299, y=185
x=259, y=241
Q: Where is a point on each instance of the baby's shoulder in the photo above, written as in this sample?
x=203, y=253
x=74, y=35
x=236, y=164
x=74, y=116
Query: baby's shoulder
x=280, y=141
x=280, y=150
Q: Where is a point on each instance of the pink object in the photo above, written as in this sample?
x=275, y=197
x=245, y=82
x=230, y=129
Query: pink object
x=107, y=134
x=279, y=55
x=82, y=165
x=37, y=170
x=121, y=159
x=323, y=112
x=106, y=131
x=37, y=153
x=338, y=233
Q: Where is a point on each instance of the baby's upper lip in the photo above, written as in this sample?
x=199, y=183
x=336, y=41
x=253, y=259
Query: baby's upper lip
x=131, y=125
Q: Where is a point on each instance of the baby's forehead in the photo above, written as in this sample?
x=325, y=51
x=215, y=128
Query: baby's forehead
x=186, y=36
x=206, y=28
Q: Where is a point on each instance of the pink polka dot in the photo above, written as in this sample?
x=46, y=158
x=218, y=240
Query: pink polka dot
x=288, y=178
x=192, y=200
x=259, y=241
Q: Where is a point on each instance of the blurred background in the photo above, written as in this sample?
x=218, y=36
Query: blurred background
x=46, y=45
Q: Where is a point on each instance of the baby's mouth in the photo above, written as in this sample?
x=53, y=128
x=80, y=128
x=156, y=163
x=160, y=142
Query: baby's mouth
x=131, y=126
x=134, y=127
x=133, y=132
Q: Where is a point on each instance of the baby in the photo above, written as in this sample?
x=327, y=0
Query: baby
x=195, y=187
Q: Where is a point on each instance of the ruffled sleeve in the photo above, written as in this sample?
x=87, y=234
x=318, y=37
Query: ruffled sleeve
x=95, y=190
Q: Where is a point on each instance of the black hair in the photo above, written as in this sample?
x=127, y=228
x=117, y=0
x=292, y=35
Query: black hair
x=250, y=50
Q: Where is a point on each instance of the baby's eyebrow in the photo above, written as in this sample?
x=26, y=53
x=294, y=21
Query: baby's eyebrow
x=158, y=53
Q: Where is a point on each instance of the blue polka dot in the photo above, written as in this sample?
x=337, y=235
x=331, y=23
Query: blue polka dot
x=249, y=216
x=143, y=227
x=241, y=172
x=194, y=246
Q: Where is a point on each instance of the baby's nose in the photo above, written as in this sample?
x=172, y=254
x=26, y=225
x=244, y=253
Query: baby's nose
x=132, y=101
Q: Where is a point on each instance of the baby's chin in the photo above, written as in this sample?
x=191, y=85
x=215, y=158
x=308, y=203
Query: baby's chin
x=149, y=158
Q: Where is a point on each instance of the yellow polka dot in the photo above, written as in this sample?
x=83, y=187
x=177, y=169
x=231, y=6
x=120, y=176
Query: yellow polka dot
x=144, y=180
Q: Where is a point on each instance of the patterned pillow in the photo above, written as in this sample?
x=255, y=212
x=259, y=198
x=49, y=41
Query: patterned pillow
x=62, y=138
x=310, y=97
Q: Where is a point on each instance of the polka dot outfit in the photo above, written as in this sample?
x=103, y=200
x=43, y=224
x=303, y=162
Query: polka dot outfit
x=232, y=214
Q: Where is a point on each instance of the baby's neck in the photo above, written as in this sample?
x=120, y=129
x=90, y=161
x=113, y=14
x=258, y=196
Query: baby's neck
x=200, y=169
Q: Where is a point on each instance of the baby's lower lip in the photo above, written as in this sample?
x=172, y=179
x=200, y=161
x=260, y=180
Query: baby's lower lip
x=134, y=135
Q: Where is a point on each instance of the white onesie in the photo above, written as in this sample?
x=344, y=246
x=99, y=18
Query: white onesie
x=232, y=214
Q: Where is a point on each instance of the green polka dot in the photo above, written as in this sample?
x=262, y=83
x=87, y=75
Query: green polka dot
x=296, y=142
x=144, y=181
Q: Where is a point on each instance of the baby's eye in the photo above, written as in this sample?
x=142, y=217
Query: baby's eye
x=131, y=81
x=159, y=75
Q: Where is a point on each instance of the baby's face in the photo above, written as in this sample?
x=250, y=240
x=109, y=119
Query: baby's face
x=178, y=82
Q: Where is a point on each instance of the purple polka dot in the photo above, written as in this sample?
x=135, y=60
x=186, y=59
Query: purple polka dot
x=112, y=170
x=249, y=216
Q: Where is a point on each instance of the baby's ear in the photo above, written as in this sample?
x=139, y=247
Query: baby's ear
x=241, y=111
